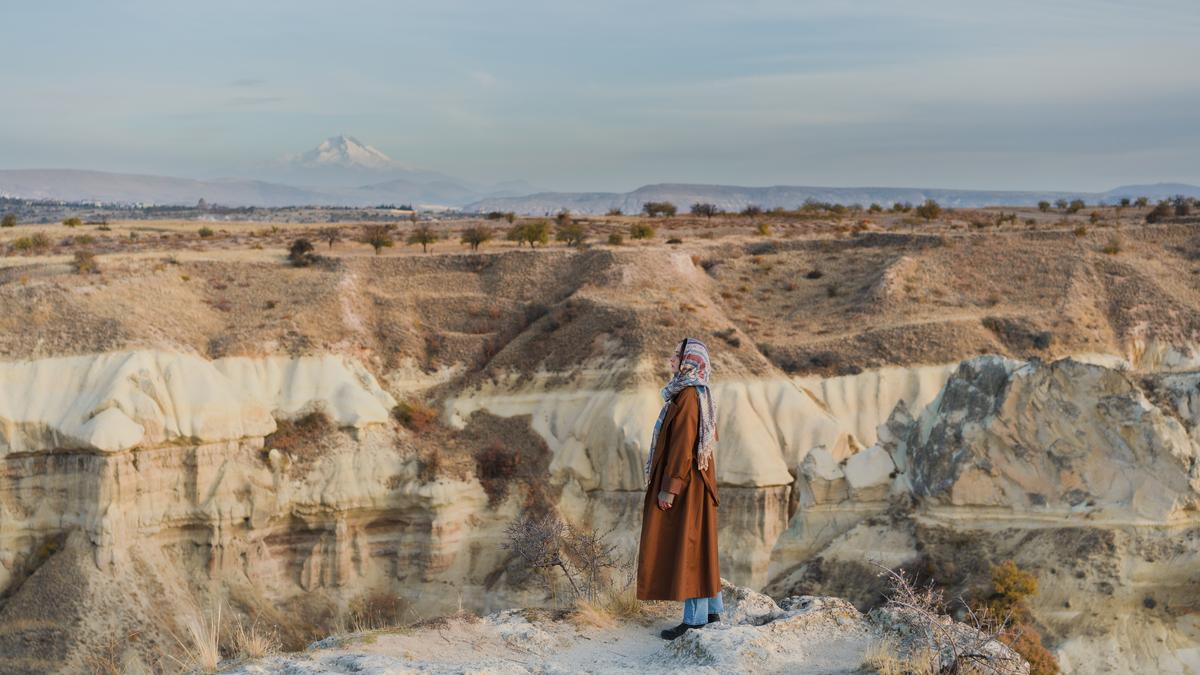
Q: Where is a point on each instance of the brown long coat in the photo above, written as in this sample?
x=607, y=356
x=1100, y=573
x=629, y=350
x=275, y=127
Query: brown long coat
x=677, y=559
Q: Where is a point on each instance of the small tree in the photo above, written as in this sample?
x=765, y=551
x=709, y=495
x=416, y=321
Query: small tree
x=300, y=253
x=1183, y=206
x=874, y=208
x=331, y=235
x=205, y=232
x=72, y=222
x=704, y=209
x=516, y=233
x=563, y=218
x=656, y=209
x=1043, y=206
x=1060, y=204
x=1141, y=202
x=1126, y=201
x=509, y=217
x=1076, y=206
x=573, y=234
x=476, y=236
x=423, y=235
x=752, y=210
x=10, y=220
x=614, y=212
x=929, y=210
x=378, y=237
x=537, y=232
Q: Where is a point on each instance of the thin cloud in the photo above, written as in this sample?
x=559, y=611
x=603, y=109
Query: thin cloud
x=248, y=82
x=254, y=100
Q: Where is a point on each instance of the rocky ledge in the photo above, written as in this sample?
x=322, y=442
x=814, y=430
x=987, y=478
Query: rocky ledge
x=800, y=634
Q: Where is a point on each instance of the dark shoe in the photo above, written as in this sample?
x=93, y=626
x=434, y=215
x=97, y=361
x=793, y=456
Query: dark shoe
x=714, y=618
x=672, y=633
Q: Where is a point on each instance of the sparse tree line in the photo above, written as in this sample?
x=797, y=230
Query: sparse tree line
x=536, y=232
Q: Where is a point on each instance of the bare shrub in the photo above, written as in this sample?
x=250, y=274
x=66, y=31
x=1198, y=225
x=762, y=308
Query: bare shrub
x=38, y=241
x=414, y=415
x=300, y=253
x=300, y=436
x=583, y=556
x=641, y=231
x=954, y=647
x=330, y=235
x=538, y=542
x=85, y=262
x=929, y=210
x=496, y=466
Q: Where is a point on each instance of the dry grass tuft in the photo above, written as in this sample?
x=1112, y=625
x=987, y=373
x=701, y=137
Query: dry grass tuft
x=109, y=659
x=253, y=642
x=593, y=614
x=201, y=645
x=883, y=656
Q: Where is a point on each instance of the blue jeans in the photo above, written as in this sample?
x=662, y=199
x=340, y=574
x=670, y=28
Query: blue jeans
x=696, y=610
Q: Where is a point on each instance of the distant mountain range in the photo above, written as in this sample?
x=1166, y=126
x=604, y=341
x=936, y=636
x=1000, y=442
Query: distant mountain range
x=735, y=198
x=342, y=171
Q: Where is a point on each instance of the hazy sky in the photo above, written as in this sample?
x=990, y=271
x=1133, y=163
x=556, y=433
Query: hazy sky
x=608, y=95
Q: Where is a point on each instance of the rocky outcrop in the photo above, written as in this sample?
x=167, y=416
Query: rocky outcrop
x=802, y=635
x=1063, y=437
x=143, y=399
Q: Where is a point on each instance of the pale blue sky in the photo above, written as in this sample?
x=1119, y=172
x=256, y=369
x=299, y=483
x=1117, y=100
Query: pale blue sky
x=1076, y=95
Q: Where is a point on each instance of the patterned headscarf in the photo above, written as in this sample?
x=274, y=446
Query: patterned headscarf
x=694, y=369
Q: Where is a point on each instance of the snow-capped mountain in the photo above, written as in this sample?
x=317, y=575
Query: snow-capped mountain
x=340, y=171
x=346, y=152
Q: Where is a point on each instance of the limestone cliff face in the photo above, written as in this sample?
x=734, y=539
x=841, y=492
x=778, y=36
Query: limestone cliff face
x=155, y=461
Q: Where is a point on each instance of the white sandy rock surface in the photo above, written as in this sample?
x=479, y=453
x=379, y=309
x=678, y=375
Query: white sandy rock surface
x=116, y=401
x=803, y=635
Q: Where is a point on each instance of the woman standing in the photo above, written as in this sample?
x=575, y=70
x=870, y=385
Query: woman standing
x=677, y=559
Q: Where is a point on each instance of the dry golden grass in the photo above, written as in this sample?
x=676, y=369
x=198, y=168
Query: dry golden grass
x=614, y=606
x=884, y=657
x=201, y=644
x=254, y=642
x=593, y=615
